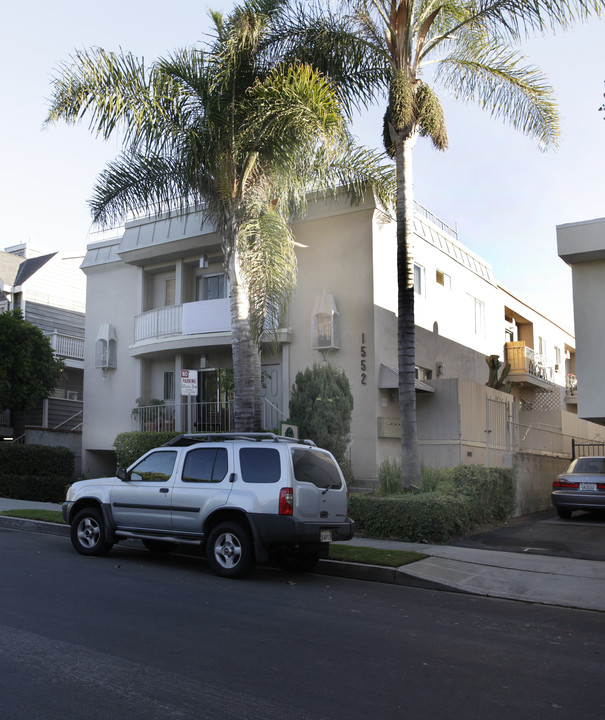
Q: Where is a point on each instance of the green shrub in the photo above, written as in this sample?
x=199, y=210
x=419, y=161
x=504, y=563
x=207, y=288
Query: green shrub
x=38, y=488
x=36, y=460
x=129, y=446
x=459, y=500
x=321, y=404
x=390, y=475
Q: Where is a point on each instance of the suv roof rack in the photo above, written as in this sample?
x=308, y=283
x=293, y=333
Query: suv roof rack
x=193, y=438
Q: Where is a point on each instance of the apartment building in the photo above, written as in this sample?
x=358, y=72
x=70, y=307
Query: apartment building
x=50, y=291
x=157, y=305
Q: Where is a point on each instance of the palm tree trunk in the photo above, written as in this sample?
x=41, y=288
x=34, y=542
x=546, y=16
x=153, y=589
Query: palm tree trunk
x=246, y=355
x=405, y=323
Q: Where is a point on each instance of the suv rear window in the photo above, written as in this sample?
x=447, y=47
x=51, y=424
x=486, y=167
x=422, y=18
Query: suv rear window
x=315, y=467
x=260, y=465
x=205, y=465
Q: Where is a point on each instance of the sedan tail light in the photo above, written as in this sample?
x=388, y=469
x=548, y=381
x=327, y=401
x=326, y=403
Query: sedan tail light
x=558, y=483
x=286, y=501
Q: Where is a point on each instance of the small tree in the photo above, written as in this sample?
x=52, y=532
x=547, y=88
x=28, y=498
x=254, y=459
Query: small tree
x=321, y=405
x=29, y=370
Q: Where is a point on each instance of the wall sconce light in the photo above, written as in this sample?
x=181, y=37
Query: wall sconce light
x=325, y=325
x=106, y=352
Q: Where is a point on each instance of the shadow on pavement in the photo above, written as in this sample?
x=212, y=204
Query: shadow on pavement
x=544, y=533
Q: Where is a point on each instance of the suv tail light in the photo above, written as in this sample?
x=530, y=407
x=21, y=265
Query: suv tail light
x=286, y=501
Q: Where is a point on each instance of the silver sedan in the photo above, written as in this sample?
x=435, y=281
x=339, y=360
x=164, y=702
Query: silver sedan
x=582, y=487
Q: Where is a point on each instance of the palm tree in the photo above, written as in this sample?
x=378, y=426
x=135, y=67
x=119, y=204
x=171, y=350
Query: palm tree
x=386, y=47
x=237, y=130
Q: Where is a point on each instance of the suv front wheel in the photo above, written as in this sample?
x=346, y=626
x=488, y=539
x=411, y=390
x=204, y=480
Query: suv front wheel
x=87, y=533
x=229, y=550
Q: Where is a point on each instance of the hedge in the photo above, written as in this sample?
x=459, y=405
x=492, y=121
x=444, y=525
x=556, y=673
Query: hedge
x=474, y=495
x=129, y=446
x=36, y=460
x=37, y=488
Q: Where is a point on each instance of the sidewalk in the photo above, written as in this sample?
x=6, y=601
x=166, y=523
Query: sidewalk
x=542, y=579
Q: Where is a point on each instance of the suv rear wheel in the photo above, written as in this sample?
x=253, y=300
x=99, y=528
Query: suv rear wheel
x=229, y=550
x=87, y=533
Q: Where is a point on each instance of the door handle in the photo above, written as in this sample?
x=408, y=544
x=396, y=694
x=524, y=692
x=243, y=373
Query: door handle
x=164, y=490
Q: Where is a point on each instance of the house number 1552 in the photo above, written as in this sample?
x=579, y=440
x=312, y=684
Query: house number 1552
x=363, y=359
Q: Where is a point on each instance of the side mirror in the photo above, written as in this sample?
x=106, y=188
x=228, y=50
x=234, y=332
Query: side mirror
x=122, y=474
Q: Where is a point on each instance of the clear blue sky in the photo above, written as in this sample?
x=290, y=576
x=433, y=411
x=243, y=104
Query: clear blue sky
x=503, y=194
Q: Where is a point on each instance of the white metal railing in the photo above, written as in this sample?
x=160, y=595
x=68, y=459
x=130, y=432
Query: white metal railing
x=421, y=210
x=183, y=417
x=159, y=322
x=67, y=345
x=201, y=316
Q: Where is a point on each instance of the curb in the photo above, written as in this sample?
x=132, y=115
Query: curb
x=39, y=526
x=334, y=568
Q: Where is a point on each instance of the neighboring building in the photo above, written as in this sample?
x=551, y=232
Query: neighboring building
x=158, y=304
x=50, y=290
x=582, y=246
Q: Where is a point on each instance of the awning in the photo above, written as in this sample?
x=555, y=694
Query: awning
x=388, y=379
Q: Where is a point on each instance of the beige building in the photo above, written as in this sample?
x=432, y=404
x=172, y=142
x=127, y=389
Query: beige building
x=158, y=304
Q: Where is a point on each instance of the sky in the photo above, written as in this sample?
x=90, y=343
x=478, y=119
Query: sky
x=504, y=195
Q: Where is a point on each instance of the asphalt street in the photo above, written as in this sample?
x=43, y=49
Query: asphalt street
x=140, y=636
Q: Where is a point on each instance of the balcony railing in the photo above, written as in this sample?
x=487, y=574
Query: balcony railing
x=204, y=316
x=525, y=360
x=67, y=346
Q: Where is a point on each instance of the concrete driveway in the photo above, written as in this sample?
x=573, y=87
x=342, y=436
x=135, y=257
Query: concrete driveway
x=544, y=533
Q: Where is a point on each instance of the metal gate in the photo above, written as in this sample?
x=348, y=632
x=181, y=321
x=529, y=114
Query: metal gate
x=499, y=429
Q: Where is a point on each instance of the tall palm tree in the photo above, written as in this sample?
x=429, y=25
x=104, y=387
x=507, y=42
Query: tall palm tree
x=375, y=48
x=237, y=130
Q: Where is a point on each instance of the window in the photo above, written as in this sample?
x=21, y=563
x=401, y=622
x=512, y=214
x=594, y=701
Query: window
x=208, y=465
x=169, y=385
x=260, y=465
x=443, y=279
x=418, y=279
x=423, y=373
x=170, y=290
x=212, y=287
x=156, y=467
x=479, y=316
x=315, y=467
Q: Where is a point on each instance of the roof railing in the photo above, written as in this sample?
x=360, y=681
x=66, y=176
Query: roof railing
x=192, y=438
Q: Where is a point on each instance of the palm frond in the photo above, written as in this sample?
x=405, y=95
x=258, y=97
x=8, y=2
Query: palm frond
x=499, y=81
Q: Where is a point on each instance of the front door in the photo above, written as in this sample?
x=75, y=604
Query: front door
x=214, y=400
x=271, y=397
x=144, y=502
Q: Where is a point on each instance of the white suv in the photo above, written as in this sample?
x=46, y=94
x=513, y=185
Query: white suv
x=244, y=497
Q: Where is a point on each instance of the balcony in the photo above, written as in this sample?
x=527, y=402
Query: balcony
x=173, y=326
x=68, y=347
x=528, y=366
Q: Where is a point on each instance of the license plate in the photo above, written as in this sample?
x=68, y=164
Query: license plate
x=325, y=536
x=588, y=486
